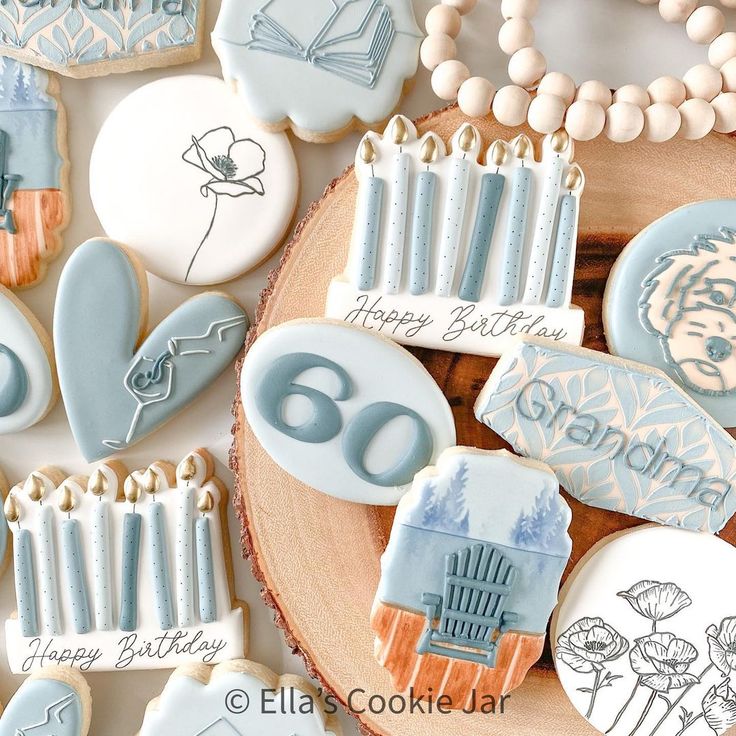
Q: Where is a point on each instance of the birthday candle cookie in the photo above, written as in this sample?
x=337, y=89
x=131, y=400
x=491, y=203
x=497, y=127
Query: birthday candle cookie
x=34, y=202
x=238, y=697
x=28, y=388
x=344, y=410
x=118, y=384
x=206, y=200
x=322, y=67
x=462, y=250
x=470, y=576
x=670, y=302
x=92, y=38
x=123, y=571
x=644, y=635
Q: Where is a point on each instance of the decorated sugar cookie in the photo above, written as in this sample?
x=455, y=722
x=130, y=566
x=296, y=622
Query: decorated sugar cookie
x=28, y=388
x=34, y=206
x=119, y=385
x=207, y=196
x=671, y=302
x=470, y=576
x=619, y=435
x=92, y=38
x=454, y=254
x=344, y=410
x=644, y=635
x=319, y=67
x=123, y=572
x=237, y=698
x=4, y=533
x=53, y=701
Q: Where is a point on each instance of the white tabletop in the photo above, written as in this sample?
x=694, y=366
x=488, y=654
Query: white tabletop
x=618, y=41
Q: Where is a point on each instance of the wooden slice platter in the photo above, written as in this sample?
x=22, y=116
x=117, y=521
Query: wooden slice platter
x=318, y=557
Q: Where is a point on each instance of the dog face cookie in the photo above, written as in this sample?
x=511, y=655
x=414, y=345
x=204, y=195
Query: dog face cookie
x=344, y=410
x=93, y=38
x=318, y=67
x=678, y=280
x=119, y=385
x=28, y=387
x=123, y=571
x=643, y=636
x=34, y=206
x=237, y=698
x=619, y=435
x=470, y=576
x=218, y=193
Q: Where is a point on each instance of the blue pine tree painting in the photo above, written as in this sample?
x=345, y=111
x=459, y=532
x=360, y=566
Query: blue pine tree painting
x=542, y=526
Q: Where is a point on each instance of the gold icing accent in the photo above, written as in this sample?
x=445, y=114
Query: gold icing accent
x=35, y=487
x=367, y=151
x=574, y=178
x=467, y=139
x=400, y=131
x=132, y=490
x=522, y=147
x=11, y=509
x=560, y=141
x=499, y=153
x=206, y=503
x=429, y=151
x=187, y=468
x=98, y=485
x=66, y=499
x=151, y=481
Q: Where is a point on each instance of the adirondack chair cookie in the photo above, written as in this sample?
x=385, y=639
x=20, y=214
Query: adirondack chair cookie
x=470, y=577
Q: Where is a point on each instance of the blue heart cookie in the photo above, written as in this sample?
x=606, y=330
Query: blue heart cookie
x=117, y=386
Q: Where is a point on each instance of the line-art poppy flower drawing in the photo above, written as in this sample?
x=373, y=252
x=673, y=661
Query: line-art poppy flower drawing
x=656, y=601
x=234, y=168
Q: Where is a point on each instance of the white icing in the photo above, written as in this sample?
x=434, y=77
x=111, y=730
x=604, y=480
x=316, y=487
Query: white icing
x=379, y=371
x=150, y=198
x=683, y=592
x=23, y=338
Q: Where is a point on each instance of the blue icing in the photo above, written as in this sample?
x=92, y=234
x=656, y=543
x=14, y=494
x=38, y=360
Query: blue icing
x=43, y=707
x=638, y=327
x=488, y=498
x=114, y=394
x=13, y=382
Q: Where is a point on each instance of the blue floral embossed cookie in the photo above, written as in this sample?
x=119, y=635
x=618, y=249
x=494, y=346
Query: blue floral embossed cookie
x=320, y=67
x=671, y=302
x=643, y=639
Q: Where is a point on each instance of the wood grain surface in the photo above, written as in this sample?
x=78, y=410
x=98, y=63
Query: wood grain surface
x=318, y=557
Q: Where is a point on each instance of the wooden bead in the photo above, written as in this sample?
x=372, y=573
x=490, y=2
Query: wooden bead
x=667, y=89
x=436, y=48
x=595, y=91
x=661, y=122
x=515, y=34
x=475, y=97
x=510, y=105
x=634, y=94
x=676, y=11
x=705, y=24
x=443, y=19
x=725, y=108
x=722, y=49
x=728, y=75
x=519, y=8
x=698, y=118
x=703, y=80
x=624, y=122
x=462, y=6
x=585, y=120
x=526, y=67
x=546, y=113
x=557, y=83
x=447, y=78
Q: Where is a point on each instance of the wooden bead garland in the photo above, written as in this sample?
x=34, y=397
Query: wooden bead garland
x=704, y=100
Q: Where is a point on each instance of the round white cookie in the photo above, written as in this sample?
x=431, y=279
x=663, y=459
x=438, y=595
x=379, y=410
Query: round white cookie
x=179, y=175
x=344, y=410
x=644, y=639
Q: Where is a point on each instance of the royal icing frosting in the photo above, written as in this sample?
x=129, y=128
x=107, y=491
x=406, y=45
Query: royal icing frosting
x=318, y=65
x=671, y=302
x=93, y=37
x=237, y=698
x=454, y=254
x=55, y=700
x=344, y=410
x=213, y=195
x=644, y=635
x=122, y=572
x=117, y=389
x=33, y=206
x=618, y=434
x=27, y=376
x=470, y=574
